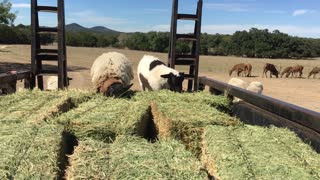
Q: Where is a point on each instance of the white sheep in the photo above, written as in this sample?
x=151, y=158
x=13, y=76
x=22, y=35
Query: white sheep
x=256, y=87
x=3, y=47
x=238, y=83
x=111, y=74
x=52, y=83
x=153, y=74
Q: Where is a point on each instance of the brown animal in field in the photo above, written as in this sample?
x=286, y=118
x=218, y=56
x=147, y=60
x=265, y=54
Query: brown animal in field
x=314, y=71
x=239, y=68
x=286, y=71
x=270, y=67
x=296, y=69
x=248, y=70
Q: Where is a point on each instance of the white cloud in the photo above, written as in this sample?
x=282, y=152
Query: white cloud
x=90, y=18
x=300, y=12
x=231, y=7
x=20, y=5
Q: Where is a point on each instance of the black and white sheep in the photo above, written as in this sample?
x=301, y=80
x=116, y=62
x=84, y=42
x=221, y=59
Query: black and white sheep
x=153, y=74
x=111, y=74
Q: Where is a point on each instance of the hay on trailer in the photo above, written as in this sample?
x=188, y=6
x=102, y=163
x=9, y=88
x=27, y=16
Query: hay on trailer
x=133, y=157
x=40, y=160
x=103, y=118
x=184, y=116
x=166, y=96
x=29, y=151
x=14, y=142
x=36, y=105
x=252, y=152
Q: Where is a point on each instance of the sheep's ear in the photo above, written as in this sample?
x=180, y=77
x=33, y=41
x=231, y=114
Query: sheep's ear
x=167, y=76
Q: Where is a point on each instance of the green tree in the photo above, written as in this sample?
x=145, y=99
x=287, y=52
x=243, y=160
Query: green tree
x=6, y=17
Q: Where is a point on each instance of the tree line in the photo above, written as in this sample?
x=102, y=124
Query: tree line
x=259, y=43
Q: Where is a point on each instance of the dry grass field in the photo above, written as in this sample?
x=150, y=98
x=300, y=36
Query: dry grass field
x=303, y=92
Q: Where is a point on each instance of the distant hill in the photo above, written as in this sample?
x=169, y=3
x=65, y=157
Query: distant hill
x=97, y=29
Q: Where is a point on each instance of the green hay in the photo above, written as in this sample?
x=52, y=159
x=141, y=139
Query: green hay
x=103, y=118
x=133, y=158
x=36, y=105
x=41, y=159
x=165, y=96
x=111, y=146
x=252, y=152
x=189, y=114
x=29, y=152
x=14, y=142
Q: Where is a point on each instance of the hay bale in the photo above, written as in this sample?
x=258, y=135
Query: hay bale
x=14, y=142
x=40, y=161
x=132, y=157
x=29, y=151
x=252, y=152
x=36, y=105
x=166, y=96
x=103, y=118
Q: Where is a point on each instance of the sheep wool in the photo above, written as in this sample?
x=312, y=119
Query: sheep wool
x=256, y=87
x=150, y=69
x=111, y=65
x=238, y=83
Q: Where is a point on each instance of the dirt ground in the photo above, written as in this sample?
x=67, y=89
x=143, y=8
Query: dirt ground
x=299, y=91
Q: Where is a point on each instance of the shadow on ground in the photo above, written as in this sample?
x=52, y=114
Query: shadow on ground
x=9, y=66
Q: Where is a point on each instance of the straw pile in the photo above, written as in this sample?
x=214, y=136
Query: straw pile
x=31, y=106
x=29, y=151
x=153, y=135
x=103, y=118
x=184, y=116
x=252, y=152
x=132, y=157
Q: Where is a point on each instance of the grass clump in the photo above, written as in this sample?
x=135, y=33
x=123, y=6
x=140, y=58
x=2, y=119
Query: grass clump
x=252, y=152
x=133, y=157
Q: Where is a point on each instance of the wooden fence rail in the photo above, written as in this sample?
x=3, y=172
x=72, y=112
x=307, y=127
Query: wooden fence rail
x=305, y=117
x=8, y=81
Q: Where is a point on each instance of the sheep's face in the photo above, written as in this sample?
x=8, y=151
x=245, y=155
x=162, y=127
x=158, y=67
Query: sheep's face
x=116, y=89
x=174, y=81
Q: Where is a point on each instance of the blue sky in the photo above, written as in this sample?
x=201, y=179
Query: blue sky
x=295, y=17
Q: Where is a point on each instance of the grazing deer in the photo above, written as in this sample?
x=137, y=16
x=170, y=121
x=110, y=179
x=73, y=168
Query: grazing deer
x=239, y=68
x=287, y=71
x=248, y=69
x=314, y=72
x=297, y=69
x=273, y=70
